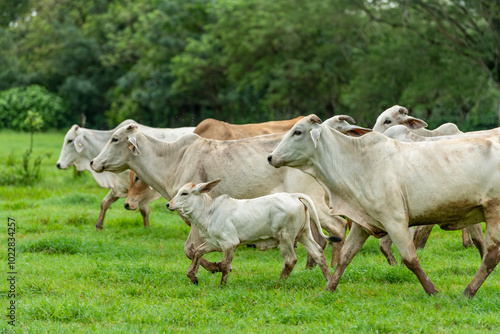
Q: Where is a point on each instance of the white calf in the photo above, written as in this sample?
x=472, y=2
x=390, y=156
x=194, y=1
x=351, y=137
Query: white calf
x=267, y=221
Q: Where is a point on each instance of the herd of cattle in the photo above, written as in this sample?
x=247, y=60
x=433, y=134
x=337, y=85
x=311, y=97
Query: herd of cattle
x=275, y=183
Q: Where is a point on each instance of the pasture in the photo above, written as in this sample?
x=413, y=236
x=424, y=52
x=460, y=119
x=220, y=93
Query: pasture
x=125, y=279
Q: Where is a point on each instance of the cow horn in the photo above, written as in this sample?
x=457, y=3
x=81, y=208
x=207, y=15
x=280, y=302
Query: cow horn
x=315, y=119
x=346, y=118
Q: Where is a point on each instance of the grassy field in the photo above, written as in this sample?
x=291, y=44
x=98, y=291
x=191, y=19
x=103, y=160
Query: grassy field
x=125, y=279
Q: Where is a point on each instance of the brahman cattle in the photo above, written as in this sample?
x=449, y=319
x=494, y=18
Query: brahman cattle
x=453, y=183
x=268, y=221
x=168, y=166
x=81, y=145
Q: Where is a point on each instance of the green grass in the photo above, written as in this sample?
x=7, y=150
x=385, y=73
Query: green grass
x=125, y=279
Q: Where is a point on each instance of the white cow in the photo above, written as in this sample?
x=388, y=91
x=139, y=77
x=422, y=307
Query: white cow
x=168, y=166
x=81, y=145
x=397, y=115
x=267, y=221
x=454, y=183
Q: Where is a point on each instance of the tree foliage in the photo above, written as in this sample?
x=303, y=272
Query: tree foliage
x=176, y=62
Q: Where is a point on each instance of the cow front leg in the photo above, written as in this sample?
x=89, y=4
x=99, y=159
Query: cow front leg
x=353, y=243
x=402, y=239
x=198, y=253
x=109, y=199
x=225, y=264
x=145, y=215
x=193, y=241
x=476, y=234
x=492, y=246
x=466, y=238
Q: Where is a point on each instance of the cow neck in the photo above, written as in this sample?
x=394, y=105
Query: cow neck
x=96, y=139
x=163, y=163
x=201, y=213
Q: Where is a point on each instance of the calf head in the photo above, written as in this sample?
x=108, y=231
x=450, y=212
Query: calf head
x=189, y=196
x=139, y=193
x=397, y=115
x=298, y=145
x=121, y=147
x=72, y=151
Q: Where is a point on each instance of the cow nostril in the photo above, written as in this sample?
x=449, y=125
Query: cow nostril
x=91, y=162
x=127, y=206
x=168, y=205
x=269, y=158
x=58, y=165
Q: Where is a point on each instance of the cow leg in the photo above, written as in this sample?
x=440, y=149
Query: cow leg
x=334, y=226
x=353, y=243
x=288, y=254
x=109, y=199
x=385, y=247
x=466, y=240
x=421, y=235
x=492, y=255
x=401, y=238
x=319, y=240
x=145, y=215
x=476, y=234
x=225, y=264
x=198, y=253
x=316, y=252
x=193, y=241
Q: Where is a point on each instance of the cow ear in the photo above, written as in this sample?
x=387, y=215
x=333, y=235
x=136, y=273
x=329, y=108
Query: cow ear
x=414, y=123
x=207, y=187
x=315, y=133
x=356, y=131
x=79, y=143
x=132, y=145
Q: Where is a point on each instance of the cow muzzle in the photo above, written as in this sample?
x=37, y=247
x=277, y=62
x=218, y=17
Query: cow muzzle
x=274, y=161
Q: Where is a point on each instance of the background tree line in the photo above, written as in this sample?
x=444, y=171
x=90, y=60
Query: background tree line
x=175, y=62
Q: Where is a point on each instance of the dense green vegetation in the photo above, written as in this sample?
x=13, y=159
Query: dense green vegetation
x=72, y=279
x=176, y=62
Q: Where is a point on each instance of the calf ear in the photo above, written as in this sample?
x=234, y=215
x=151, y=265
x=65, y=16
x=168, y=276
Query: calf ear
x=414, y=123
x=315, y=133
x=132, y=145
x=78, y=142
x=207, y=187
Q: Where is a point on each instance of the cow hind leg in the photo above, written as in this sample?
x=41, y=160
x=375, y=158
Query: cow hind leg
x=492, y=255
x=402, y=239
x=316, y=252
x=145, y=215
x=353, y=243
x=385, y=247
x=319, y=240
x=421, y=235
x=288, y=254
x=476, y=234
x=225, y=264
x=109, y=199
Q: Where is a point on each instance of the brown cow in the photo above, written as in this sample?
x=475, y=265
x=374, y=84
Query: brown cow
x=213, y=129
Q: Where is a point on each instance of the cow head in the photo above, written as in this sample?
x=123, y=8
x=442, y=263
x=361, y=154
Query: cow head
x=298, y=145
x=139, y=193
x=189, y=196
x=340, y=123
x=120, y=148
x=397, y=115
x=73, y=152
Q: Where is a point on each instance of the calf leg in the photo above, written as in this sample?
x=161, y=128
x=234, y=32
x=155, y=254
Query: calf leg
x=401, y=237
x=288, y=254
x=225, y=264
x=353, y=243
x=421, y=235
x=466, y=238
x=319, y=240
x=492, y=255
x=145, y=215
x=198, y=253
x=109, y=199
x=385, y=247
x=476, y=234
x=316, y=252
x=193, y=241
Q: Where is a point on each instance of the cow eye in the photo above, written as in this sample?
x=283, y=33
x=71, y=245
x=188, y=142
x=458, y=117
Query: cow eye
x=184, y=194
x=70, y=141
x=387, y=121
x=297, y=133
x=114, y=140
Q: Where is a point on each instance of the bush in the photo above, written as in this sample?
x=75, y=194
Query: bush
x=15, y=103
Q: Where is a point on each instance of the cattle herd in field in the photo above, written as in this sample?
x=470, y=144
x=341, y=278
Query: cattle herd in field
x=277, y=183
